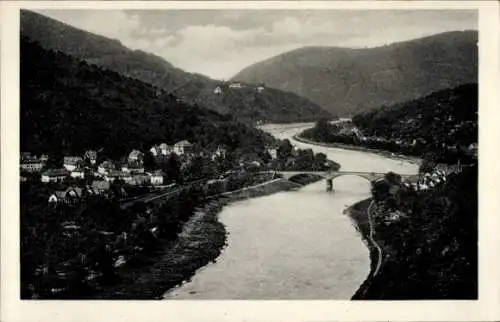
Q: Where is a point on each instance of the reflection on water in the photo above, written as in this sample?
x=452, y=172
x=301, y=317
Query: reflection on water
x=293, y=245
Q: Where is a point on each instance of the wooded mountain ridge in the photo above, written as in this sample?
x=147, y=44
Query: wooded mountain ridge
x=69, y=105
x=245, y=104
x=346, y=81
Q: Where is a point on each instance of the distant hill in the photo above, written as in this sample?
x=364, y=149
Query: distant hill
x=243, y=104
x=342, y=79
x=69, y=105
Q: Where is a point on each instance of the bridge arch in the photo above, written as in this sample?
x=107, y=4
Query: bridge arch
x=367, y=176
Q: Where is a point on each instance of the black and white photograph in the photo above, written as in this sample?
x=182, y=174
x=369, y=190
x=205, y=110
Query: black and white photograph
x=173, y=154
x=190, y=154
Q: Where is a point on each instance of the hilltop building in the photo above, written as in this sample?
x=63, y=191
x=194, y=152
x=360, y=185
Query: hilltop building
x=218, y=90
x=235, y=85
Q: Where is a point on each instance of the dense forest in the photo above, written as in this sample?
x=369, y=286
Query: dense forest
x=429, y=239
x=68, y=106
x=245, y=104
x=347, y=81
x=443, y=124
x=442, y=118
x=75, y=248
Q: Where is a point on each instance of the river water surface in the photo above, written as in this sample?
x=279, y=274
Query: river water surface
x=297, y=244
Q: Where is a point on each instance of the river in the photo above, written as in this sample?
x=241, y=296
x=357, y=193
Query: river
x=294, y=245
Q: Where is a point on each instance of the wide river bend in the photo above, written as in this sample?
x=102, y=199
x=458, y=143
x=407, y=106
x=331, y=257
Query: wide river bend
x=297, y=244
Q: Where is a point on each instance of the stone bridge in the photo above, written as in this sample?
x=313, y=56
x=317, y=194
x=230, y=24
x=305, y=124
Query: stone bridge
x=330, y=175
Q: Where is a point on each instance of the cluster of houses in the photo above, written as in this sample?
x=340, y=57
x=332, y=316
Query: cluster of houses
x=428, y=181
x=96, y=177
x=131, y=171
x=78, y=167
x=219, y=89
x=32, y=163
x=74, y=195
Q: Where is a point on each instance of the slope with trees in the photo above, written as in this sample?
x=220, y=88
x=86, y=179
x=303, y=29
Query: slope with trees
x=68, y=106
x=443, y=123
x=246, y=105
x=428, y=240
x=346, y=81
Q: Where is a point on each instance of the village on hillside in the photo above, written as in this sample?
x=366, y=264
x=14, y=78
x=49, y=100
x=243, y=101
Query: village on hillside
x=77, y=177
x=89, y=175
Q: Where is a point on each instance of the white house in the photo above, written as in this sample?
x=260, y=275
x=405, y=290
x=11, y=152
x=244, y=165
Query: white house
x=54, y=175
x=182, y=147
x=57, y=197
x=133, y=168
x=260, y=89
x=155, y=150
x=78, y=173
x=71, y=163
x=32, y=165
x=157, y=177
x=162, y=149
x=218, y=90
x=140, y=180
x=165, y=149
x=235, y=85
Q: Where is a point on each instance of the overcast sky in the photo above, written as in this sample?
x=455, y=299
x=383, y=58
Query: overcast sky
x=219, y=43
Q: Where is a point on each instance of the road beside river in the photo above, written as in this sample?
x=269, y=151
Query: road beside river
x=296, y=244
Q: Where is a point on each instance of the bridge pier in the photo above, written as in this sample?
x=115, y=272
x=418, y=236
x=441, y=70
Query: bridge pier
x=329, y=184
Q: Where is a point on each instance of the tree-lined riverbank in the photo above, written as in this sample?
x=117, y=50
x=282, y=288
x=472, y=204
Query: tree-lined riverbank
x=296, y=244
x=383, y=153
x=423, y=246
x=201, y=241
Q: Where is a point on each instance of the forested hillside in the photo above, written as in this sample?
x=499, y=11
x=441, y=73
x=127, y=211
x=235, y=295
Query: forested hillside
x=443, y=118
x=243, y=104
x=346, y=81
x=69, y=105
x=429, y=238
x=443, y=123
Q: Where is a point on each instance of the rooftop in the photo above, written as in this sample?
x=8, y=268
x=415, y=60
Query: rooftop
x=56, y=172
x=183, y=143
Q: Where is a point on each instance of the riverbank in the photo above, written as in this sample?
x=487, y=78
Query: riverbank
x=359, y=216
x=383, y=153
x=201, y=241
x=430, y=252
